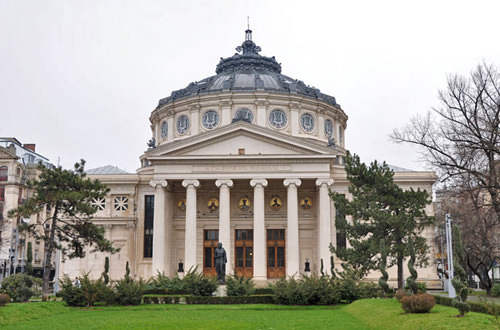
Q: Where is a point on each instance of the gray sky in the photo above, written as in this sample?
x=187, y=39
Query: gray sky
x=80, y=78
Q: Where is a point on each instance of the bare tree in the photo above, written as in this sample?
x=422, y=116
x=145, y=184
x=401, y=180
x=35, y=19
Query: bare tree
x=461, y=140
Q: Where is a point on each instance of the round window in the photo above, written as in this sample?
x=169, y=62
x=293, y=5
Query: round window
x=164, y=129
x=328, y=128
x=307, y=122
x=182, y=124
x=277, y=118
x=210, y=119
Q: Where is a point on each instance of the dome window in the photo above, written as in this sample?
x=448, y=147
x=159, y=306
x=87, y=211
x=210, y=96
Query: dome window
x=164, y=129
x=182, y=124
x=328, y=128
x=278, y=118
x=243, y=114
x=307, y=122
x=210, y=119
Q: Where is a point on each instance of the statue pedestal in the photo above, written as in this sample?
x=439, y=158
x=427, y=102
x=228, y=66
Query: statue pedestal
x=221, y=291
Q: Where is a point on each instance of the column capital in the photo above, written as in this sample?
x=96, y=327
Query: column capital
x=324, y=181
x=158, y=183
x=191, y=182
x=256, y=182
x=227, y=182
x=288, y=182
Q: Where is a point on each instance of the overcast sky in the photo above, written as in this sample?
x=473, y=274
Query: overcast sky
x=80, y=78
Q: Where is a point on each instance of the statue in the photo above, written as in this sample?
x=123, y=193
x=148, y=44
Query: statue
x=220, y=259
x=152, y=144
x=331, y=142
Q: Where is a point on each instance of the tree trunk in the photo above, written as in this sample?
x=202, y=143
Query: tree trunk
x=401, y=284
x=49, y=248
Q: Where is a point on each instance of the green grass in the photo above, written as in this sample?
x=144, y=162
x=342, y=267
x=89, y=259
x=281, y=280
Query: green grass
x=363, y=314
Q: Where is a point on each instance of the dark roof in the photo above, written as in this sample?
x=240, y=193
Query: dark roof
x=247, y=70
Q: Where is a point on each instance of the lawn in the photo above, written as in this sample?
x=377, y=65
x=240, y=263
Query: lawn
x=362, y=314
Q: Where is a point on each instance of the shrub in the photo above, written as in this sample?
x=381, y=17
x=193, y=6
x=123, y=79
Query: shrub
x=18, y=287
x=129, y=291
x=419, y=303
x=400, y=294
x=4, y=299
x=163, y=284
x=495, y=290
x=87, y=294
x=199, y=285
x=308, y=291
x=462, y=307
x=239, y=285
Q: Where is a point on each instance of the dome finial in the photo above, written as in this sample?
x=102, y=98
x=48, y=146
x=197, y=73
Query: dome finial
x=248, y=32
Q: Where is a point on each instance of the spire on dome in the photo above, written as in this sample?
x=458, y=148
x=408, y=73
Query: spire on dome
x=248, y=47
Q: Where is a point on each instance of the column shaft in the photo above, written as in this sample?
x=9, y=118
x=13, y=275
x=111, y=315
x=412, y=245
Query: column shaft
x=159, y=226
x=292, y=236
x=259, y=230
x=324, y=229
x=225, y=220
x=190, y=247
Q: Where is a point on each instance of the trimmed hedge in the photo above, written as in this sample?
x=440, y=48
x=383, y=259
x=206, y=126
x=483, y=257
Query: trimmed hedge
x=207, y=300
x=474, y=305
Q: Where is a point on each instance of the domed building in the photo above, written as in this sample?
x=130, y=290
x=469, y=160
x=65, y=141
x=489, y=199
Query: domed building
x=245, y=157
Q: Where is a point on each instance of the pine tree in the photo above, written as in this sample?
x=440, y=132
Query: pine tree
x=380, y=209
x=29, y=259
x=67, y=195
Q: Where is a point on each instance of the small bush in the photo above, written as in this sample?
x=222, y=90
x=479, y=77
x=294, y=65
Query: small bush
x=419, y=303
x=129, y=291
x=163, y=284
x=239, y=286
x=495, y=290
x=4, y=299
x=199, y=285
x=421, y=287
x=462, y=307
x=400, y=294
x=18, y=287
x=89, y=292
x=307, y=291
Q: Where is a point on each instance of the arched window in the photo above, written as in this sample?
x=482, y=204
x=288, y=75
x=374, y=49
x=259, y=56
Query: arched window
x=3, y=173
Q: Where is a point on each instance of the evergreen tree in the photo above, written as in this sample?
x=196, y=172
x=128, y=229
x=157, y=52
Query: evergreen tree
x=104, y=274
x=380, y=209
x=67, y=196
x=459, y=280
x=29, y=259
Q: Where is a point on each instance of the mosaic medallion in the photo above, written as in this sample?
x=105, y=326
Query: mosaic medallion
x=275, y=202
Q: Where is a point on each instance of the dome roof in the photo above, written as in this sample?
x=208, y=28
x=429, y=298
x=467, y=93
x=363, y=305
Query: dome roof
x=246, y=71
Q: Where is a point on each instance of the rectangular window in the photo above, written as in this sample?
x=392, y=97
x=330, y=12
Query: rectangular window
x=2, y=193
x=149, y=212
x=208, y=257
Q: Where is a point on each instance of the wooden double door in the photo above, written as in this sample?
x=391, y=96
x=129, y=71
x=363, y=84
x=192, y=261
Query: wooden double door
x=243, y=256
x=275, y=253
x=243, y=245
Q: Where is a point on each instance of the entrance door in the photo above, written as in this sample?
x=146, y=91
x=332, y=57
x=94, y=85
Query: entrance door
x=244, y=252
x=275, y=253
x=210, y=240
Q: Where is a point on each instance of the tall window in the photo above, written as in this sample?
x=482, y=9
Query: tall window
x=1, y=211
x=149, y=213
x=3, y=173
x=2, y=193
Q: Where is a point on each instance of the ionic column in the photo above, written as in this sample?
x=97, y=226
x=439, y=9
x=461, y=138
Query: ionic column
x=292, y=237
x=259, y=230
x=224, y=219
x=159, y=226
x=324, y=230
x=190, y=233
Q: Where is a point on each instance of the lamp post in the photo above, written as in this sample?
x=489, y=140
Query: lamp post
x=449, y=254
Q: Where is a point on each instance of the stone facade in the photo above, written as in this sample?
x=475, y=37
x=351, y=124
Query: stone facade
x=246, y=157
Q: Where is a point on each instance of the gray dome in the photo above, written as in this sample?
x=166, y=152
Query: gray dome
x=248, y=71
